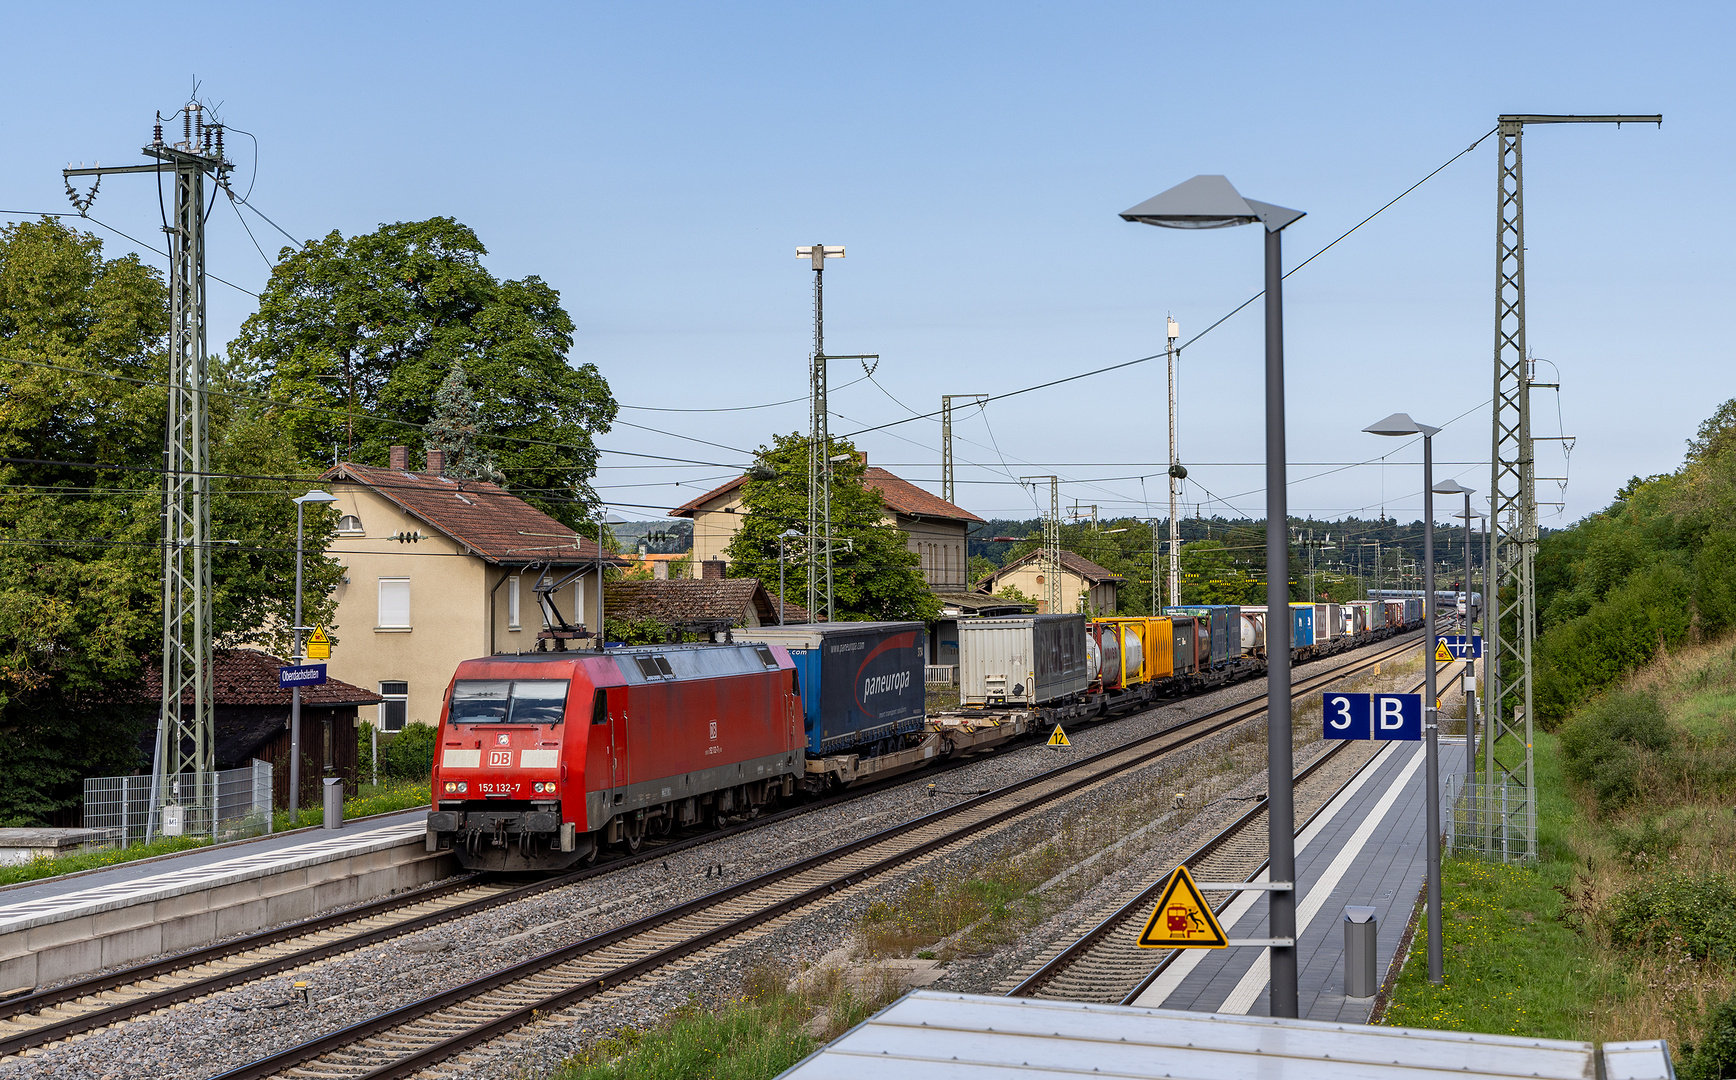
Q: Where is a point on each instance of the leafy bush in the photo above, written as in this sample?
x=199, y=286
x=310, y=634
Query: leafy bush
x=1609, y=744
x=1714, y=1056
x=410, y=756
x=1617, y=634
x=1700, y=910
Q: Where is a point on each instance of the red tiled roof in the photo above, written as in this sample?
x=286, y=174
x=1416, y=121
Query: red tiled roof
x=696, y=599
x=910, y=500
x=1076, y=563
x=898, y=495
x=249, y=677
x=486, y=518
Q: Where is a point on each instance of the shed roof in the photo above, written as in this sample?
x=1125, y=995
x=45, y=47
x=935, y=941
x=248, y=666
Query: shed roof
x=686, y=600
x=249, y=677
x=896, y=494
x=929, y=1034
x=491, y=521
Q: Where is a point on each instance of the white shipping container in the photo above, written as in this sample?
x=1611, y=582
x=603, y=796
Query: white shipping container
x=1022, y=660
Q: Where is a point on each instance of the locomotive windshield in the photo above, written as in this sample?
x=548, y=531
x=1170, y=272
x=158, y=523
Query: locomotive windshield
x=497, y=701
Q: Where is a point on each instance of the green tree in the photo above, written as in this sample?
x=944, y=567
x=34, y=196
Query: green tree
x=80, y=575
x=454, y=429
x=879, y=577
x=365, y=331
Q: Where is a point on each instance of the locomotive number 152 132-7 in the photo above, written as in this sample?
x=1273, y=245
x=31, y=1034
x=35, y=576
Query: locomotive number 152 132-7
x=498, y=789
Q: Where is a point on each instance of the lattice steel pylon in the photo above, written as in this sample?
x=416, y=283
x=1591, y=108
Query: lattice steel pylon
x=185, y=740
x=1051, y=559
x=1509, y=809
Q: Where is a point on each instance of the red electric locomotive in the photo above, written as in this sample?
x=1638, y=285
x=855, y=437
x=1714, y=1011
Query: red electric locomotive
x=546, y=758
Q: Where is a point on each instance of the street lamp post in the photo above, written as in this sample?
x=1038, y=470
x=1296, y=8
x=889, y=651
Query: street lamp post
x=1211, y=202
x=295, y=691
x=1453, y=487
x=1399, y=424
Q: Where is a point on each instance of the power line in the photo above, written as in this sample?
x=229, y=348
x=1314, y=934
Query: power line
x=1207, y=330
x=102, y=225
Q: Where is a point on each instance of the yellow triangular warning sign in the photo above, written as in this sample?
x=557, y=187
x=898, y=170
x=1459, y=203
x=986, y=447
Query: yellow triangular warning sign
x=1442, y=652
x=319, y=646
x=1058, y=737
x=1182, y=918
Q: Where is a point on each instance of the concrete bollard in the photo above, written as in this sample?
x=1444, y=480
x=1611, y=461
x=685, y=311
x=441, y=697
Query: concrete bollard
x=1360, y=980
x=334, y=802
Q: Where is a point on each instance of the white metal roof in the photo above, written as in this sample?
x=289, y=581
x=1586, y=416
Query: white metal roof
x=928, y=1035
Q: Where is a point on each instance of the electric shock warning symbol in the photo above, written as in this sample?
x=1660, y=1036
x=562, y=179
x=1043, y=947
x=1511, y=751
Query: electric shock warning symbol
x=1058, y=737
x=1182, y=919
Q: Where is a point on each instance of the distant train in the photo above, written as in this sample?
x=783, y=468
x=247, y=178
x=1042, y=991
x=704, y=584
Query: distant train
x=546, y=759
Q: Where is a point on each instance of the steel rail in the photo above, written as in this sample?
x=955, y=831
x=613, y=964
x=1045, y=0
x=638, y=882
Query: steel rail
x=1136, y=907
x=1172, y=738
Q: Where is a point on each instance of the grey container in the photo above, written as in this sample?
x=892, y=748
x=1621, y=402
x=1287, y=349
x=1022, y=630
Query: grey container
x=1022, y=660
x=1224, y=624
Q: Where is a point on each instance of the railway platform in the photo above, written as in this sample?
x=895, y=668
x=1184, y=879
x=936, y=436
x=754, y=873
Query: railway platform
x=60, y=927
x=1365, y=848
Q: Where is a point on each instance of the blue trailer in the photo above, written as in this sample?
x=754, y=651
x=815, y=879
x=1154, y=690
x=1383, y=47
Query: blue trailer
x=861, y=682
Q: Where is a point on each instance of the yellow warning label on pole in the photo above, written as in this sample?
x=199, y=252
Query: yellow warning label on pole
x=1182, y=918
x=1442, y=653
x=319, y=646
x=1058, y=737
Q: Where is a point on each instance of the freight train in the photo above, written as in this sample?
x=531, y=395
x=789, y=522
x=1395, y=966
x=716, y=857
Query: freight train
x=546, y=759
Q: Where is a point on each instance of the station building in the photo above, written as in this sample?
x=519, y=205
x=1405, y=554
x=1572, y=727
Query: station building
x=439, y=570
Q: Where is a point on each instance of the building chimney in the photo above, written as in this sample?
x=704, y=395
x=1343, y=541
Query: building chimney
x=400, y=458
x=660, y=570
x=436, y=462
x=712, y=569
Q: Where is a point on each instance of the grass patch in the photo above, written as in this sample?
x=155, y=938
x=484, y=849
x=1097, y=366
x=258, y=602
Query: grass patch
x=372, y=799
x=768, y=1027
x=39, y=868
x=1515, y=954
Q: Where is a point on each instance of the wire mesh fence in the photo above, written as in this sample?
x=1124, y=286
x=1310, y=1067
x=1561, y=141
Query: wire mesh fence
x=1493, y=820
x=227, y=805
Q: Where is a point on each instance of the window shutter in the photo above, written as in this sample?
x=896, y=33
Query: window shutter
x=394, y=602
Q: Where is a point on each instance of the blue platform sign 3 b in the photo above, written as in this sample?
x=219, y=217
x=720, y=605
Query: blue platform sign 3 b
x=1383, y=717
x=301, y=675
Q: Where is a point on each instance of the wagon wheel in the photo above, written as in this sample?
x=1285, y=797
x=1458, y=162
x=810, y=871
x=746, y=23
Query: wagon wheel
x=633, y=834
x=664, y=825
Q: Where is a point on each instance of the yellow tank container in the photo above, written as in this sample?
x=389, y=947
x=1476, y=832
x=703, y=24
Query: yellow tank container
x=1146, y=655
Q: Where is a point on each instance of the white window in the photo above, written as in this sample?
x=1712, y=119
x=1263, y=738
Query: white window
x=394, y=604
x=396, y=705
x=350, y=524
x=512, y=602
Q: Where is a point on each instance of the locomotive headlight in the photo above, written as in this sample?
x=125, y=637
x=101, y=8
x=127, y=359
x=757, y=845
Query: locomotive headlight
x=451, y=788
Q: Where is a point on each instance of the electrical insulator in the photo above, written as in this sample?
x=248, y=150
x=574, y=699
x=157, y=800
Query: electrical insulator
x=219, y=142
x=187, y=128
x=157, y=131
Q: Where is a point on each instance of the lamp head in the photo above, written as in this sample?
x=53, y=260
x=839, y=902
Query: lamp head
x=1208, y=202
x=1400, y=424
x=316, y=497
x=1452, y=487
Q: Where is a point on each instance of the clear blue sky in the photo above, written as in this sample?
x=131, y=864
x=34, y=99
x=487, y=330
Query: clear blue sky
x=659, y=164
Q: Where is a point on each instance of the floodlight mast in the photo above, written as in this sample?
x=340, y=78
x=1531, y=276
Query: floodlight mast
x=1172, y=331
x=819, y=437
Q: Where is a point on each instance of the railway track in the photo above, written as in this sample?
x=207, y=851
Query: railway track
x=1107, y=966
x=44, y=1017
x=407, y=1040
